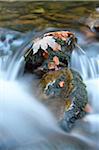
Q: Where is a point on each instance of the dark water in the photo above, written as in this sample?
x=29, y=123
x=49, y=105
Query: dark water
x=25, y=16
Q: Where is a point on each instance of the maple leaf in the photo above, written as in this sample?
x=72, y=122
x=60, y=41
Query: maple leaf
x=44, y=43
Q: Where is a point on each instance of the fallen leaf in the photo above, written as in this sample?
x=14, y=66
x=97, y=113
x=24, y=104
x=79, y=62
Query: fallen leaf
x=44, y=42
x=61, y=84
x=56, y=60
x=45, y=55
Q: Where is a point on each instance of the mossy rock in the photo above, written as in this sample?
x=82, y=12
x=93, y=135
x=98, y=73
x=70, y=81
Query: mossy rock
x=66, y=88
x=60, y=88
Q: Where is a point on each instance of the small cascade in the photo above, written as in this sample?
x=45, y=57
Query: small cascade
x=26, y=123
x=9, y=69
x=13, y=70
x=86, y=64
x=93, y=93
x=3, y=61
x=12, y=60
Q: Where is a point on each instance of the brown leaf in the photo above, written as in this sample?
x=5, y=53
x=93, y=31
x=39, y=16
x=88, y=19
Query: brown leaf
x=45, y=55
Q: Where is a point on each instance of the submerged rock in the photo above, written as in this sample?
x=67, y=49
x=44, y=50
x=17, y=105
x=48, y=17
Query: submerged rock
x=10, y=41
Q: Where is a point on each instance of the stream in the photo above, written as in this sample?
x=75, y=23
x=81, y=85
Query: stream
x=25, y=123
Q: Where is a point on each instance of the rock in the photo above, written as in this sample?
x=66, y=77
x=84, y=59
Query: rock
x=93, y=21
x=60, y=88
x=65, y=86
x=10, y=41
x=45, y=50
x=91, y=26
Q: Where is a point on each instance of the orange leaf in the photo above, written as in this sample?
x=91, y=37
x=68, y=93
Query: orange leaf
x=61, y=83
x=56, y=60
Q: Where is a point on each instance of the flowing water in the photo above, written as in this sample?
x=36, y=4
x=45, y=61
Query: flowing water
x=25, y=124
x=90, y=59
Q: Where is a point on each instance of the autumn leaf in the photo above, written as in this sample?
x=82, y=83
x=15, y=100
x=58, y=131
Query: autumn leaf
x=61, y=84
x=56, y=60
x=44, y=43
x=45, y=55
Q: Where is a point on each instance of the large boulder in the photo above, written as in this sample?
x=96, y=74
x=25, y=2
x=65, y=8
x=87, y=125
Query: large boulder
x=50, y=52
x=60, y=87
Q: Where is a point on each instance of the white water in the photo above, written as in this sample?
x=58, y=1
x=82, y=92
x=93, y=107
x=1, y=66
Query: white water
x=87, y=64
x=13, y=70
x=93, y=92
x=26, y=124
x=22, y=118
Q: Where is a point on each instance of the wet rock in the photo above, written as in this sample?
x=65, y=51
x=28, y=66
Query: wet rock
x=67, y=86
x=50, y=52
x=60, y=88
